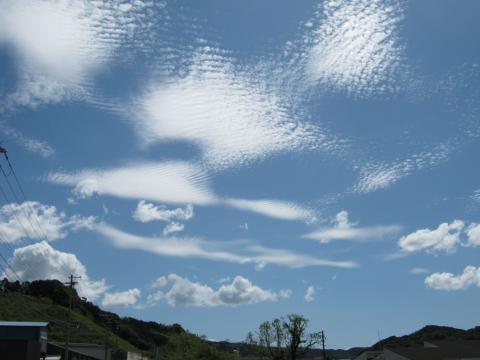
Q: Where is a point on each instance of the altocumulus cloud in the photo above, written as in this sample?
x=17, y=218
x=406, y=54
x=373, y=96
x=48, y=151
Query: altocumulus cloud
x=230, y=114
x=41, y=261
x=60, y=45
x=181, y=291
x=356, y=48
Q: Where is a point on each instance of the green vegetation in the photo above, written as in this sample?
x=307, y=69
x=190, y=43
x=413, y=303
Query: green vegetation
x=284, y=338
x=47, y=300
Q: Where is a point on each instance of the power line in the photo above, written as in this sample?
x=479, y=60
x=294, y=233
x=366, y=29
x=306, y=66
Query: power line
x=39, y=233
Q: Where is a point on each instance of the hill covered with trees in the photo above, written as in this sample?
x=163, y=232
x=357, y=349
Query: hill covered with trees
x=47, y=300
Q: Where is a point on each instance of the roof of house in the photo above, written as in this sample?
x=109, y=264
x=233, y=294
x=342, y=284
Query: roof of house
x=455, y=343
x=445, y=350
x=92, y=350
x=23, y=323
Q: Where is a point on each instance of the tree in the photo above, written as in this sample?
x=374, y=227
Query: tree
x=285, y=338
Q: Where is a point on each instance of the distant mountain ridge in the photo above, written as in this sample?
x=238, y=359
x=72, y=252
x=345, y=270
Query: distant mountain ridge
x=429, y=333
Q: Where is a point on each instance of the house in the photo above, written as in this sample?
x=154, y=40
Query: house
x=22, y=340
x=80, y=351
x=431, y=350
x=437, y=350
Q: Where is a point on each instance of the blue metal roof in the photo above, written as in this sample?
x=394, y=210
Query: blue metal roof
x=23, y=323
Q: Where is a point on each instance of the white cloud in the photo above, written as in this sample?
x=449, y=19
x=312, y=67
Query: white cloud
x=241, y=252
x=344, y=230
x=172, y=228
x=418, y=271
x=146, y=212
x=40, y=261
x=309, y=294
x=36, y=221
x=377, y=176
x=473, y=235
x=160, y=282
x=445, y=238
x=264, y=256
x=357, y=47
x=121, y=299
x=234, y=117
x=274, y=208
x=476, y=196
x=35, y=146
x=241, y=291
x=449, y=281
x=60, y=45
x=170, y=182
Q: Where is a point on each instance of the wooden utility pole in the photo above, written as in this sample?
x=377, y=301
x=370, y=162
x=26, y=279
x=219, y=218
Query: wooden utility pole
x=71, y=283
x=106, y=346
x=323, y=345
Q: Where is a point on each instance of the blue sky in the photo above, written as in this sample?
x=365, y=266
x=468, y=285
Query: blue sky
x=218, y=164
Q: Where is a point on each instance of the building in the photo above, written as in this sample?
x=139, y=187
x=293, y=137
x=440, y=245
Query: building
x=21, y=340
x=431, y=350
x=80, y=351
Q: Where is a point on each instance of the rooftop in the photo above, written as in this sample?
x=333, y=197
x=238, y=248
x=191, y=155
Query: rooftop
x=24, y=323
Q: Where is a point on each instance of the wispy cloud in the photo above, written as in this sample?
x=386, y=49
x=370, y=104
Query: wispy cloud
x=170, y=182
x=450, y=282
x=419, y=271
x=242, y=252
x=380, y=175
x=343, y=229
x=357, y=48
x=173, y=227
x=274, y=208
x=173, y=182
x=309, y=294
x=35, y=146
x=184, y=292
x=36, y=221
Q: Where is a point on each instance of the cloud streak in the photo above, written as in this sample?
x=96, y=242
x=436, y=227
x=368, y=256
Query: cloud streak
x=229, y=251
x=344, y=230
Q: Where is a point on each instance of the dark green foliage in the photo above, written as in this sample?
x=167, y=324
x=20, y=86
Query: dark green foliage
x=47, y=300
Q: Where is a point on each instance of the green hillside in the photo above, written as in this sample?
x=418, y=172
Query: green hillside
x=47, y=300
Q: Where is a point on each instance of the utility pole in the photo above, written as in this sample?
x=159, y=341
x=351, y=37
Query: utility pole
x=322, y=338
x=71, y=283
x=106, y=346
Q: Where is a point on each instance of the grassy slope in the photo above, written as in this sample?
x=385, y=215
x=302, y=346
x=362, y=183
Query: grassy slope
x=16, y=307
